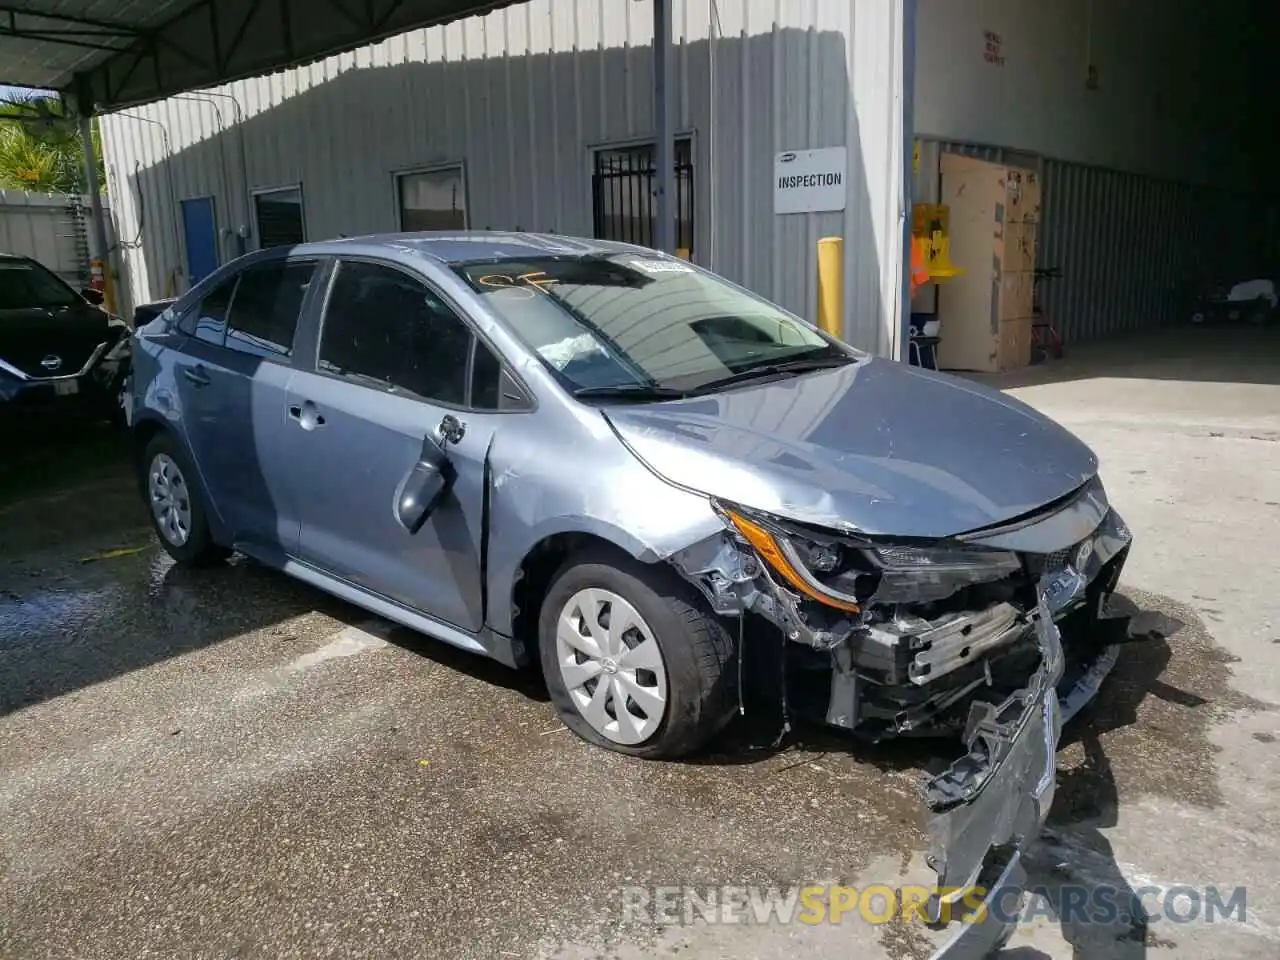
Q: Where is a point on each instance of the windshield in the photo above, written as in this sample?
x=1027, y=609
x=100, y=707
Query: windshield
x=25, y=284
x=631, y=320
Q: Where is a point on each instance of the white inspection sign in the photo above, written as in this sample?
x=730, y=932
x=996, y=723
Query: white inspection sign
x=810, y=181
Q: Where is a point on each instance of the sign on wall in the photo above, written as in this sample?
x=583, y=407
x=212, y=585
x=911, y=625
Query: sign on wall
x=810, y=181
x=994, y=51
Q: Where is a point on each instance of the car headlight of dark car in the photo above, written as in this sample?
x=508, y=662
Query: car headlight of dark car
x=848, y=574
x=119, y=340
x=118, y=351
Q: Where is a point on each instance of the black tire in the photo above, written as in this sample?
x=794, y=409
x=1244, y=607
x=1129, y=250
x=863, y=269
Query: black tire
x=198, y=550
x=119, y=393
x=697, y=650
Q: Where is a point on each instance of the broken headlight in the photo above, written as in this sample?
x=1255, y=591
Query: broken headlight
x=924, y=574
x=840, y=573
x=820, y=568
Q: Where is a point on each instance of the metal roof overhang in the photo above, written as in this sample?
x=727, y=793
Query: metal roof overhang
x=104, y=55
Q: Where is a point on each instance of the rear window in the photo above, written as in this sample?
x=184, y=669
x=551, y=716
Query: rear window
x=265, y=308
x=25, y=284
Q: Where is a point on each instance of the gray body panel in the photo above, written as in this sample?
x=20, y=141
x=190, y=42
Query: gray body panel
x=877, y=447
x=874, y=446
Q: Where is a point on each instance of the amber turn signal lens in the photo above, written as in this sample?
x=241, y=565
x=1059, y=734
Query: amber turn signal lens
x=767, y=547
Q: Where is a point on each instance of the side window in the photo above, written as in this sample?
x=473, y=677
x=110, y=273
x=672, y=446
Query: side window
x=208, y=320
x=486, y=379
x=382, y=324
x=264, y=312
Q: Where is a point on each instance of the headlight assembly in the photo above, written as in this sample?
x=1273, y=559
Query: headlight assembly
x=922, y=574
x=816, y=568
x=846, y=575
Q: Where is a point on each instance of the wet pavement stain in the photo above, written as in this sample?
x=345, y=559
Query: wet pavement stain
x=1148, y=731
x=167, y=781
x=1147, y=735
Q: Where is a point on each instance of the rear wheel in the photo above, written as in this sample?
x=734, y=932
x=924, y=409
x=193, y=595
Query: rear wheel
x=176, y=505
x=633, y=659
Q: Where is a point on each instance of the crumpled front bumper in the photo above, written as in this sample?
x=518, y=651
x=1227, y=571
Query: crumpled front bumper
x=988, y=806
x=991, y=803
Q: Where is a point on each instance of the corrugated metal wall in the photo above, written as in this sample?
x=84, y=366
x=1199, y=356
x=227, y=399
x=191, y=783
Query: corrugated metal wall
x=49, y=228
x=522, y=96
x=1132, y=249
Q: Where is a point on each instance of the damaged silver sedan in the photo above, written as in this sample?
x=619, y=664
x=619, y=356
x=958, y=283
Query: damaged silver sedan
x=610, y=462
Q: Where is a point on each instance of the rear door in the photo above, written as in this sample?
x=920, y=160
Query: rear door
x=394, y=359
x=232, y=382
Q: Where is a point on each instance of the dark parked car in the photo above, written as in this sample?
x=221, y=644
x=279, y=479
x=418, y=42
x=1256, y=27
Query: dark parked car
x=60, y=352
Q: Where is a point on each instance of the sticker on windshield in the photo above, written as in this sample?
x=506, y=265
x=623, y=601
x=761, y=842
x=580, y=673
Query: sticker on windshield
x=661, y=266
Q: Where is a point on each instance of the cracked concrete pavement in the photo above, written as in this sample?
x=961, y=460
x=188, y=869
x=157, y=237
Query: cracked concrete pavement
x=224, y=762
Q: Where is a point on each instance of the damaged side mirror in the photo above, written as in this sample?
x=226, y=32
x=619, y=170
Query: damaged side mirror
x=426, y=484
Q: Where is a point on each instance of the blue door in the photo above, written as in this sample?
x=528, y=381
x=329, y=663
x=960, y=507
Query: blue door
x=201, y=233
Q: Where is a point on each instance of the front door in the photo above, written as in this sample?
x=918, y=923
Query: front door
x=200, y=231
x=393, y=362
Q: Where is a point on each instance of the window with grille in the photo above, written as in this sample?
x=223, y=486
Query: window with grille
x=623, y=186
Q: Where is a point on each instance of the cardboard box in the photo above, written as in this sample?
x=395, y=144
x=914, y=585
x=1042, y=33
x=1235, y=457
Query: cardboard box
x=1015, y=294
x=1019, y=251
x=1014, y=349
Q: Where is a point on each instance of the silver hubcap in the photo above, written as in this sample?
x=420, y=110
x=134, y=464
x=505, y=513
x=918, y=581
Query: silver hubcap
x=170, y=500
x=612, y=666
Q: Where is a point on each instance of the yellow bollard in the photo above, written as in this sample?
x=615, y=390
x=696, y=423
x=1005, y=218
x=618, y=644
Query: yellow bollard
x=831, y=285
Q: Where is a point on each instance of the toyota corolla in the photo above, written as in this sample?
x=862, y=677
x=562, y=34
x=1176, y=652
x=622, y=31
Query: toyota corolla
x=610, y=462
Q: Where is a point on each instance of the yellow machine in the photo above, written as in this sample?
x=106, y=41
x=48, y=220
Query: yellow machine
x=931, y=229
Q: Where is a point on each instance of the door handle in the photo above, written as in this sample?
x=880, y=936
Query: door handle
x=196, y=375
x=307, y=415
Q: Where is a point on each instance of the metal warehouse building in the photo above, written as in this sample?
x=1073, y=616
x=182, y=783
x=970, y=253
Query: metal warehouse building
x=1141, y=120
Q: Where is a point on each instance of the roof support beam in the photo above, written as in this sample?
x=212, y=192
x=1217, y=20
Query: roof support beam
x=382, y=20
x=59, y=38
x=250, y=12
x=101, y=27
x=147, y=55
x=347, y=15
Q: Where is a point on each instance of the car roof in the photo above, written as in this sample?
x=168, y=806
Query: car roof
x=462, y=246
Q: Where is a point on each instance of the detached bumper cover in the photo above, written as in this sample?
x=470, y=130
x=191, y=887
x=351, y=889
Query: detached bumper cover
x=991, y=803
x=987, y=806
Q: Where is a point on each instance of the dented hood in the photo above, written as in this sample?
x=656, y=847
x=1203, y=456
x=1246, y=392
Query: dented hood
x=875, y=446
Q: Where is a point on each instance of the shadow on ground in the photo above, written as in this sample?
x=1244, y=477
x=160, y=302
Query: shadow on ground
x=86, y=593
x=1148, y=733
x=1215, y=353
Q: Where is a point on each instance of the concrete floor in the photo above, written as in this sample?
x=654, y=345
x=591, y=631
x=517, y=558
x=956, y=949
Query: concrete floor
x=225, y=763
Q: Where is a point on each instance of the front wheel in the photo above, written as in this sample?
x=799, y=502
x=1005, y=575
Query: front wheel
x=633, y=659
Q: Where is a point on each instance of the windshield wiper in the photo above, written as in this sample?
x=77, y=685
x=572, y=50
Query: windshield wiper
x=630, y=391
x=799, y=365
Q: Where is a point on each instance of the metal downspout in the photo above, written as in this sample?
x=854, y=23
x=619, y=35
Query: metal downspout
x=909, y=9
x=664, y=128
